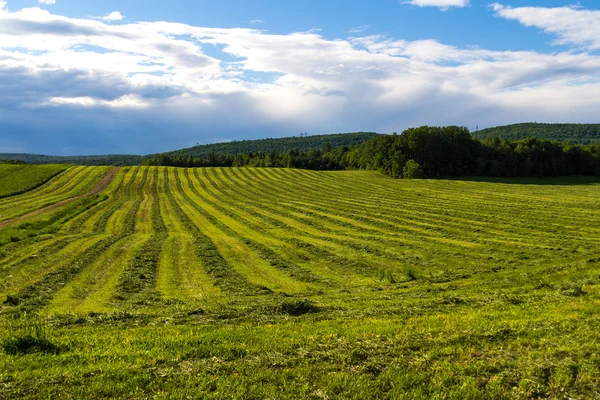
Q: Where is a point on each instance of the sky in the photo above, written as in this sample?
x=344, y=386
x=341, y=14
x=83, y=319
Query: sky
x=130, y=77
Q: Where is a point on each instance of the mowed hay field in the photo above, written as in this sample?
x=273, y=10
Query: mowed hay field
x=155, y=282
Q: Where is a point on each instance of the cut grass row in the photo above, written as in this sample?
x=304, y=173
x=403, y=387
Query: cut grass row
x=94, y=288
x=238, y=250
x=137, y=283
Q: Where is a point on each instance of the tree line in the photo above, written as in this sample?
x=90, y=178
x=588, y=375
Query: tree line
x=117, y=160
x=424, y=152
x=12, y=162
x=328, y=158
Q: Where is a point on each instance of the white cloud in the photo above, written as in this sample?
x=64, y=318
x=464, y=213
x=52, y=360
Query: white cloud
x=113, y=16
x=359, y=29
x=127, y=101
x=257, y=21
x=572, y=25
x=122, y=81
x=47, y=2
x=442, y=4
x=3, y=6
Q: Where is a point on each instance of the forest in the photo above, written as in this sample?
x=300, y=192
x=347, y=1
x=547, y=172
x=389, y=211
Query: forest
x=425, y=152
x=575, y=133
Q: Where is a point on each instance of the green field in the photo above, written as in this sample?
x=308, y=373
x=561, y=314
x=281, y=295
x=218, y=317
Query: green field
x=281, y=283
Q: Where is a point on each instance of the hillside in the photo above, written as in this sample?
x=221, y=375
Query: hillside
x=281, y=145
x=576, y=133
x=284, y=283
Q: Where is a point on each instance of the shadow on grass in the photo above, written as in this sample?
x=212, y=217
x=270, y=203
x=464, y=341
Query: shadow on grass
x=28, y=344
x=574, y=180
x=30, y=335
x=296, y=308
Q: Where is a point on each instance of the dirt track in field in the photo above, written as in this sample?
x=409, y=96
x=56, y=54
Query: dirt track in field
x=100, y=186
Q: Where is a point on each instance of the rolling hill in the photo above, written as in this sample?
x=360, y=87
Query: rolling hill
x=576, y=133
x=280, y=145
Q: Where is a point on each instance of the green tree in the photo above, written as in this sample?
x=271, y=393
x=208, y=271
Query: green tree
x=413, y=170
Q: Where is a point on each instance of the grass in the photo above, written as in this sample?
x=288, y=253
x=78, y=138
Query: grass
x=17, y=179
x=266, y=283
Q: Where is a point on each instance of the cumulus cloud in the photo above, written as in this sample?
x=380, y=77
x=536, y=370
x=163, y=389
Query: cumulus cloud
x=572, y=25
x=87, y=86
x=442, y=4
x=113, y=16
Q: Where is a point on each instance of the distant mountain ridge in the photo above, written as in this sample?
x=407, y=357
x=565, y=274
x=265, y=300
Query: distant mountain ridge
x=286, y=144
x=576, y=133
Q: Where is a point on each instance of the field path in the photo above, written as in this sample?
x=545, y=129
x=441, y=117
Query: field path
x=100, y=186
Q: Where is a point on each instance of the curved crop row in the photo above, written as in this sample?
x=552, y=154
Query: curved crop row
x=164, y=236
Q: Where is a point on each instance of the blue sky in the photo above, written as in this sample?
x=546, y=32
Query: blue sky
x=129, y=77
x=334, y=18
